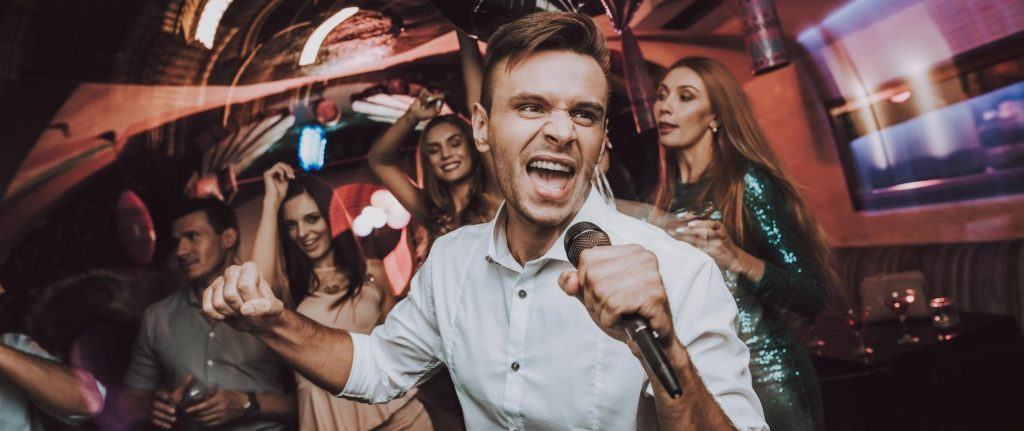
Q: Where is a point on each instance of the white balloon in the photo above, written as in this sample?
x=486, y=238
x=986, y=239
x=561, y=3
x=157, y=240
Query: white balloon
x=361, y=226
x=398, y=217
x=375, y=216
x=383, y=199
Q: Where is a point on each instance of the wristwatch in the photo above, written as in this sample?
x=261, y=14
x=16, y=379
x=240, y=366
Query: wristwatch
x=252, y=407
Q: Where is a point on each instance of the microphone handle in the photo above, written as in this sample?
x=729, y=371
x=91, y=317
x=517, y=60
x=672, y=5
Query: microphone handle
x=641, y=333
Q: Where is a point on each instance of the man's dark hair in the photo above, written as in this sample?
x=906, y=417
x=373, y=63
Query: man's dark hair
x=542, y=31
x=219, y=214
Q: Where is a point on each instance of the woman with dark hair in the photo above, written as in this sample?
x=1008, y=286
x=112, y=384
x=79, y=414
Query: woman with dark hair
x=774, y=257
x=305, y=226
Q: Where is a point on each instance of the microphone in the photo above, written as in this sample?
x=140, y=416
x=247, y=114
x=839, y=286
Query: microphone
x=584, y=235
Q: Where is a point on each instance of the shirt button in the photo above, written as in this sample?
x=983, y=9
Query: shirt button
x=522, y=294
x=210, y=334
x=515, y=366
x=209, y=362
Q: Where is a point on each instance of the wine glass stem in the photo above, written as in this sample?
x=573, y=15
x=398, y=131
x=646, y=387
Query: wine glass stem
x=903, y=324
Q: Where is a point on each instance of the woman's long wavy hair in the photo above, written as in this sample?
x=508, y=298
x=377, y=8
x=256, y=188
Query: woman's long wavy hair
x=739, y=143
x=439, y=198
x=348, y=256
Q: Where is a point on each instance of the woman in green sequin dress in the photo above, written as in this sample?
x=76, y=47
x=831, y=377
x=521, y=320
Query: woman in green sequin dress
x=762, y=236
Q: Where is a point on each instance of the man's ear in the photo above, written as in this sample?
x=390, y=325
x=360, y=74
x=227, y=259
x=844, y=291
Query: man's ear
x=480, y=122
x=228, y=238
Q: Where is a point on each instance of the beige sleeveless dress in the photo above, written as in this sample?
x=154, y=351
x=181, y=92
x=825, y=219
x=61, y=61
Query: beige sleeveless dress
x=318, y=409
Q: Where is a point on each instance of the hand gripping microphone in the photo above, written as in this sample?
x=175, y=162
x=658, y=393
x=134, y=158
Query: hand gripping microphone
x=584, y=235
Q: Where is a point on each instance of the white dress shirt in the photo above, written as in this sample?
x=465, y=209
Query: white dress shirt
x=525, y=356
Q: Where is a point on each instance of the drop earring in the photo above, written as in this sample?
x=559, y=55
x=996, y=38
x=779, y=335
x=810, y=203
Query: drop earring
x=600, y=181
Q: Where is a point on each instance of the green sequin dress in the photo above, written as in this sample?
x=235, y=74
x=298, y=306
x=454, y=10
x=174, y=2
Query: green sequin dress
x=782, y=373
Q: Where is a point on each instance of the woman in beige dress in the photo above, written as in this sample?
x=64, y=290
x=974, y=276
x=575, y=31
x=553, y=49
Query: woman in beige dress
x=305, y=243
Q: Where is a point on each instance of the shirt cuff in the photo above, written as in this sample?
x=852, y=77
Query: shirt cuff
x=79, y=419
x=359, y=376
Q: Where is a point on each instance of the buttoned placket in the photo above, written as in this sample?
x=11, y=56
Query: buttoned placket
x=519, y=318
x=210, y=348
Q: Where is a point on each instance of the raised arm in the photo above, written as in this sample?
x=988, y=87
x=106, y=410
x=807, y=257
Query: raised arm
x=383, y=158
x=266, y=245
x=473, y=78
x=56, y=388
x=472, y=67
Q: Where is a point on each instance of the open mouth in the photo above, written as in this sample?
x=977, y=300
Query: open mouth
x=552, y=178
x=450, y=166
x=665, y=128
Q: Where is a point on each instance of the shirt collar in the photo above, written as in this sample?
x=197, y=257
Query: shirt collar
x=594, y=210
x=192, y=296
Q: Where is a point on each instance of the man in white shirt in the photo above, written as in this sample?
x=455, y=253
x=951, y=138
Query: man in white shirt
x=531, y=343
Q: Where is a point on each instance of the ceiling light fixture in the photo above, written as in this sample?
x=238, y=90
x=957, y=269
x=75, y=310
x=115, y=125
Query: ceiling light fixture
x=209, y=20
x=312, y=47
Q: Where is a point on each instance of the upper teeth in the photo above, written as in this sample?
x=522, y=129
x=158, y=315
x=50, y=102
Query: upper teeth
x=551, y=166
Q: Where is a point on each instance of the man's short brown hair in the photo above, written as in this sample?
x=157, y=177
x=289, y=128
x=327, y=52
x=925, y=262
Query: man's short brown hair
x=542, y=31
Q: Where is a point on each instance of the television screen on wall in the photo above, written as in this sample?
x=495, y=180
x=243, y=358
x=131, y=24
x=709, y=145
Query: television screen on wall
x=925, y=97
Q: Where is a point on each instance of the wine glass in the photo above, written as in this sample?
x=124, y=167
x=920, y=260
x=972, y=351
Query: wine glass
x=675, y=222
x=945, y=319
x=699, y=211
x=898, y=301
x=816, y=343
x=855, y=320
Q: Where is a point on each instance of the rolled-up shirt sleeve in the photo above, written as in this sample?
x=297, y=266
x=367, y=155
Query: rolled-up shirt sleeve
x=706, y=321
x=26, y=344
x=400, y=353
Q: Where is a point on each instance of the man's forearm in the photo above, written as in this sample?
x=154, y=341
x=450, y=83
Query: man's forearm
x=321, y=354
x=279, y=407
x=696, y=409
x=57, y=387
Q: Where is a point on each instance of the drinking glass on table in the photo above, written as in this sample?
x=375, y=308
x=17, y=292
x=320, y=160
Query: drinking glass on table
x=815, y=343
x=855, y=320
x=898, y=301
x=945, y=319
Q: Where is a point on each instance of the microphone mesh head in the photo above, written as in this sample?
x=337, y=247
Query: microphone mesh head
x=581, y=236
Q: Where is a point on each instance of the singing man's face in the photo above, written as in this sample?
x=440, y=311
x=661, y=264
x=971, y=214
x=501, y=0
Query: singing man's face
x=545, y=129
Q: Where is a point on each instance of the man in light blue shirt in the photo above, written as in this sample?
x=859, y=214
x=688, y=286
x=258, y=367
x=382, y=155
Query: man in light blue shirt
x=31, y=377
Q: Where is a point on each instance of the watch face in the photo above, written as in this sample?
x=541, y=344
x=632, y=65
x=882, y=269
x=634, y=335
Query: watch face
x=252, y=408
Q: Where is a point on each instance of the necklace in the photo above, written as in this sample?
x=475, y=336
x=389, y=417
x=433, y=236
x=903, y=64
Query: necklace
x=330, y=279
